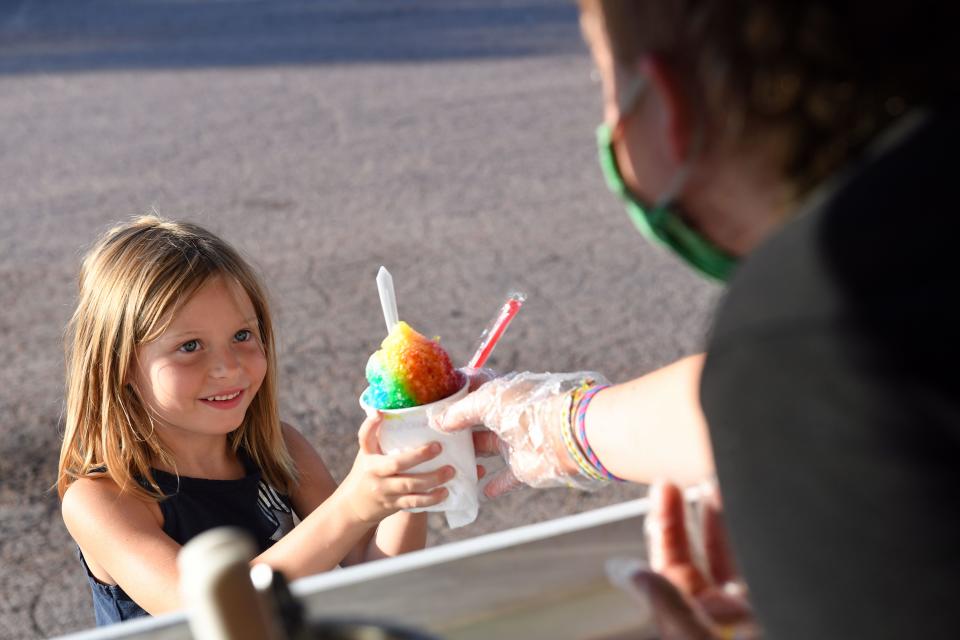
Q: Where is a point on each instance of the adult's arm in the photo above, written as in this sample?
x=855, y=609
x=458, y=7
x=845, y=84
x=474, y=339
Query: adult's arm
x=646, y=429
x=652, y=427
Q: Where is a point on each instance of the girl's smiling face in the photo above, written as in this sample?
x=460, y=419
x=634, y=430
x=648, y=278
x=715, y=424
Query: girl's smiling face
x=202, y=373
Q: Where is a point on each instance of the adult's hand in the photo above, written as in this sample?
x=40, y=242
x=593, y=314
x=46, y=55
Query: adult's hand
x=688, y=602
x=524, y=414
x=477, y=377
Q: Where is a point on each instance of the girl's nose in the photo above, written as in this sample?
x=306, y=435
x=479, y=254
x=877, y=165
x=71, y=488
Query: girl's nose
x=226, y=363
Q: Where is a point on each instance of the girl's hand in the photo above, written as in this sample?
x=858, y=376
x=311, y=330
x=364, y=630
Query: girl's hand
x=377, y=486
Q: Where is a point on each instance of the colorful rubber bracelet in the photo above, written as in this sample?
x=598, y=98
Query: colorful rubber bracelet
x=586, y=469
x=580, y=415
x=567, y=481
x=569, y=440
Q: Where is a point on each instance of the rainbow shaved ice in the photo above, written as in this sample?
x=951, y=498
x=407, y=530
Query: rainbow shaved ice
x=409, y=370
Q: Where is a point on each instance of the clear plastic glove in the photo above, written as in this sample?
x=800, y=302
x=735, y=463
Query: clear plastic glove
x=477, y=377
x=525, y=414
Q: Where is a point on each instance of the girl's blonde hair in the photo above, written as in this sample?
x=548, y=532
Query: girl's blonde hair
x=132, y=283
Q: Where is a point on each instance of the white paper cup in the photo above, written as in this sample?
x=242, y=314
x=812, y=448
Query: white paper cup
x=404, y=429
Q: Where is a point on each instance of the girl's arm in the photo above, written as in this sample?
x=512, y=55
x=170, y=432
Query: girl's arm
x=398, y=534
x=339, y=523
x=315, y=486
x=122, y=541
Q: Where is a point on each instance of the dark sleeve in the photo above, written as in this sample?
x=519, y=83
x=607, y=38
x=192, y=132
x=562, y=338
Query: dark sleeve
x=840, y=472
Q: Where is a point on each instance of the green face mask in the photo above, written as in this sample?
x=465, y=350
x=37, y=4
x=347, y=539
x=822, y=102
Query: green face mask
x=659, y=223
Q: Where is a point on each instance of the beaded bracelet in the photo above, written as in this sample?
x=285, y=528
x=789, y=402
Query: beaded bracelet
x=569, y=440
x=580, y=414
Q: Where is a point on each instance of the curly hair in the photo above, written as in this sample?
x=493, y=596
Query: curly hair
x=823, y=77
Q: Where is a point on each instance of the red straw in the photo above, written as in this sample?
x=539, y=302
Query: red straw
x=494, y=331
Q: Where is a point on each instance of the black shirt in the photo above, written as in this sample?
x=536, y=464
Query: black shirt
x=833, y=401
x=195, y=505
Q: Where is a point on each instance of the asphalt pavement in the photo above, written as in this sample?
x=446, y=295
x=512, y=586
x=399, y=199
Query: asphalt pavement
x=450, y=140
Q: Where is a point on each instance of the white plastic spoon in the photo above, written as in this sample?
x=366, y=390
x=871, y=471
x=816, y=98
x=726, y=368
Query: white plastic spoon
x=388, y=298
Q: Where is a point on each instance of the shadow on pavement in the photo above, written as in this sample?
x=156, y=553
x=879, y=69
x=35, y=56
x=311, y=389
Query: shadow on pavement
x=92, y=35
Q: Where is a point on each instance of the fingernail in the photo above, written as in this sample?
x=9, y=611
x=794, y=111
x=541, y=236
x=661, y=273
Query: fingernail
x=449, y=472
x=435, y=447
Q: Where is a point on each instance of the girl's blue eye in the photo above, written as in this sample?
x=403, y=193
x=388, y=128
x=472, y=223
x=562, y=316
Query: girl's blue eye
x=243, y=335
x=190, y=347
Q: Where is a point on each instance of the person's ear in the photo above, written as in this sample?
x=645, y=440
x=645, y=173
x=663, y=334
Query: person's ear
x=665, y=82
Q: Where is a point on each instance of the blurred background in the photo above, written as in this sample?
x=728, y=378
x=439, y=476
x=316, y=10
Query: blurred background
x=450, y=140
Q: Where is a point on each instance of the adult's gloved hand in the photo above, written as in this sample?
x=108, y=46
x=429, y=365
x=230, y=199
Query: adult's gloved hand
x=477, y=377
x=524, y=414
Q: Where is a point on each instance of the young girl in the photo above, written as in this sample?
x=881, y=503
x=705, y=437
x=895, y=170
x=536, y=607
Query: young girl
x=172, y=428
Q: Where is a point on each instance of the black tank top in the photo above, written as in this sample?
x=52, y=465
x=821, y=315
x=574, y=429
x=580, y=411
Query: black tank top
x=195, y=505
